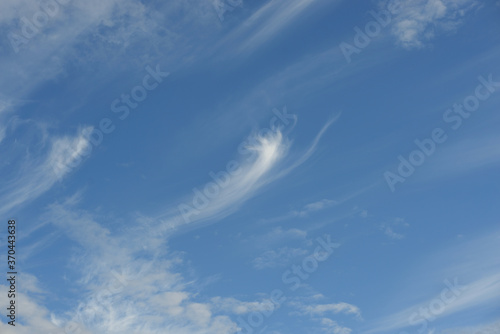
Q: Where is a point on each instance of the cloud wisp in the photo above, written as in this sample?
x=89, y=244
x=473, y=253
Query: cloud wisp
x=240, y=181
x=415, y=22
x=37, y=174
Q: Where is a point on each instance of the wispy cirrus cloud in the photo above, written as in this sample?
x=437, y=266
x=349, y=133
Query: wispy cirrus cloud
x=266, y=23
x=40, y=170
x=105, y=38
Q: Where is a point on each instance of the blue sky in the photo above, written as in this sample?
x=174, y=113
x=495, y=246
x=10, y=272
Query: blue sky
x=234, y=166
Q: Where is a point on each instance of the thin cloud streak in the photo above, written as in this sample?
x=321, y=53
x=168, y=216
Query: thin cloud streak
x=38, y=175
x=265, y=24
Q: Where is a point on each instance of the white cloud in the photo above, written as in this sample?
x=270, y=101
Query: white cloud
x=278, y=258
x=389, y=226
x=416, y=22
x=34, y=317
x=235, y=306
x=320, y=312
x=322, y=309
x=315, y=206
x=278, y=235
x=332, y=327
x=2, y=133
x=319, y=205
